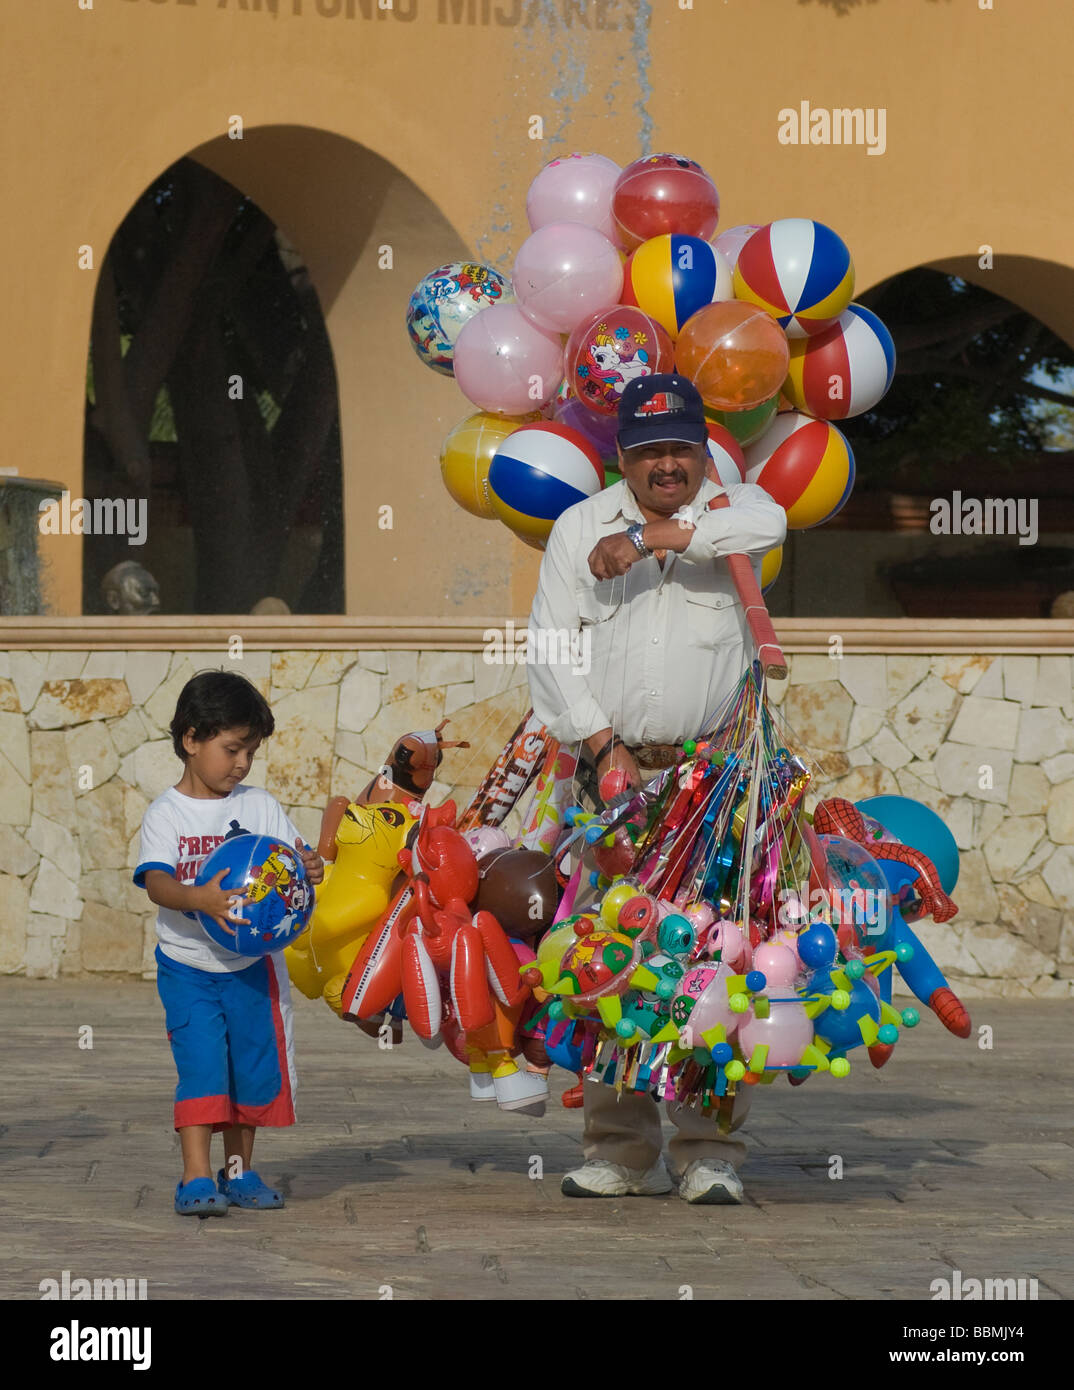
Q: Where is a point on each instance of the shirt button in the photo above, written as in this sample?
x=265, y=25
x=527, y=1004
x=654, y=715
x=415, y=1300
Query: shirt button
x=652, y=692
x=656, y=640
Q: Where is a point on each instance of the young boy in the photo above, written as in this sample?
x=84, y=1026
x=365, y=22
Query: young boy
x=228, y=1016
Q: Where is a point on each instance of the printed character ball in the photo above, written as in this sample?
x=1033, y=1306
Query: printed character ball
x=805, y=465
x=466, y=456
x=443, y=301
x=610, y=350
x=539, y=471
x=664, y=193
x=843, y=371
x=859, y=896
x=735, y=354
x=279, y=896
x=595, y=961
x=728, y=461
x=799, y=271
x=671, y=277
x=564, y=273
x=577, y=188
x=505, y=364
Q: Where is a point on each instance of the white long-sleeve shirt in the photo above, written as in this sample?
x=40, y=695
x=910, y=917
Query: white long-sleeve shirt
x=655, y=651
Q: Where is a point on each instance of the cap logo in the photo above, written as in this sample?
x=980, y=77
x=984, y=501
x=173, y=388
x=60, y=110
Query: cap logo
x=662, y=403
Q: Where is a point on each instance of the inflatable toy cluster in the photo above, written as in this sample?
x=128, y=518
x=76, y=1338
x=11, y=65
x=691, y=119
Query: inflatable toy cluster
x=624, y=274
x=699, y=934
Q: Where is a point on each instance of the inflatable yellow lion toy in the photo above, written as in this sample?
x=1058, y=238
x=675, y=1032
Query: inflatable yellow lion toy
x=355, y=892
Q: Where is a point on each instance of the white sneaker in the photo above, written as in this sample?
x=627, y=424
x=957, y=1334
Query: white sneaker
x=599, y=1178
x=711, y=1181
x=481, y=1087
x=521, y=1090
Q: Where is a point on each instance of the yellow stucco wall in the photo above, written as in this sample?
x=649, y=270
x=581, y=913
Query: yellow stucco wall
x=104, y=94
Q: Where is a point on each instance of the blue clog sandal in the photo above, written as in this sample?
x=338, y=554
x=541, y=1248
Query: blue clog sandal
x=248, y=1191
x=199, y=1197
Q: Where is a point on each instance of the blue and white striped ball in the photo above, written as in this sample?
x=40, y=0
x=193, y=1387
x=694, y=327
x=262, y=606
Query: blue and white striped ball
x=537, y=473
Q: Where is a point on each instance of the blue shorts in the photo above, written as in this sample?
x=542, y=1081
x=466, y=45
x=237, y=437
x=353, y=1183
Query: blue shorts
x=232, y=1040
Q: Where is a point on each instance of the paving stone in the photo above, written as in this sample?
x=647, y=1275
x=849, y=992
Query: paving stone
x=394, y=1177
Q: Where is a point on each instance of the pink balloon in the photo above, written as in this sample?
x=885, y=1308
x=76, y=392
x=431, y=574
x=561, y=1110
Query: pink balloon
x=726, y=937
x=788, y=1031
x=778, y=964
x=485, y=838
x=577, y=188
x=564, y=273
x=706, y=985
x=732, y=241
x=701, y=914
x=505, y=364
x=600, y=430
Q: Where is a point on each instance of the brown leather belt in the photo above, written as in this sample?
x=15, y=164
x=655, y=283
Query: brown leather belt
x=656, y=755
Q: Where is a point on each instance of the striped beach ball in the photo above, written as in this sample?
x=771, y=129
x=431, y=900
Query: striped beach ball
x=672, y=276
x=843, y=371
x=466, y=456
x=538, y=472
x=805, y=465
x=800, y=271
x=771, y=566
x=726, y=454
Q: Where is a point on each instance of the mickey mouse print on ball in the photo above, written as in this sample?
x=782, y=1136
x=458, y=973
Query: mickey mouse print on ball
x=278, y=895
x=799, y=271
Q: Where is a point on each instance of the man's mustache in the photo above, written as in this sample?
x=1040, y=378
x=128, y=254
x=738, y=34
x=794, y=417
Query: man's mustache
x=666, y=475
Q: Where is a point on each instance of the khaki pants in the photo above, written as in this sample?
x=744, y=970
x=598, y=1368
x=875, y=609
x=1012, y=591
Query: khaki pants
x=625, y=1128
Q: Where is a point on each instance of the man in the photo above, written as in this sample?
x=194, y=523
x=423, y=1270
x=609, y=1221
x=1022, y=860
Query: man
x=636, y=570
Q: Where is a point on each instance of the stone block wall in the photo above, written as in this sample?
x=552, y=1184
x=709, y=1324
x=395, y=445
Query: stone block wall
x=988, y=742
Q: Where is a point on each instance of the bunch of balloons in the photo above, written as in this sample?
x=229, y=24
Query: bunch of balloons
x=623, y=275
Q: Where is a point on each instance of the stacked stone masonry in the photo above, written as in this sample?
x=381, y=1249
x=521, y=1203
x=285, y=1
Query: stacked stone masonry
x=988, y=742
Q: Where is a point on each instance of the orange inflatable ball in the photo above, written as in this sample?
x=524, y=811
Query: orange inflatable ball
x=467, y=453
x=735, y=354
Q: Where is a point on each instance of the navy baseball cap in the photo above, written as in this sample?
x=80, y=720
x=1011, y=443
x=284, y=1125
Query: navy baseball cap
x=660, y=407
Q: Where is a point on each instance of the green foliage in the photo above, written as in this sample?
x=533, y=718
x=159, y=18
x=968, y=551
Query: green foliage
x=957, y=393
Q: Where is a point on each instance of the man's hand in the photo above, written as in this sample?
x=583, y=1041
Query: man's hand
x=612, y=556
x=621, y=759
x=618, y=757
x=312, y=861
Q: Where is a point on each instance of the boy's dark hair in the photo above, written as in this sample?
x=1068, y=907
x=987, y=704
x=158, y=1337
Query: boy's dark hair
x=216, y=700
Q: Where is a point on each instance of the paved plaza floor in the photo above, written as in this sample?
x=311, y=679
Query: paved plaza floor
x=954, y=1157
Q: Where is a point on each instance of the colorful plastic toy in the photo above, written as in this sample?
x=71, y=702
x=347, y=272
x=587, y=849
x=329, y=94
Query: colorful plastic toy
x=277, y=895
x=359, y=871
x=798, y=271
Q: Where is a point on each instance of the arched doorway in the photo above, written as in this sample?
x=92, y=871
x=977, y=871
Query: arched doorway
x=212, y=407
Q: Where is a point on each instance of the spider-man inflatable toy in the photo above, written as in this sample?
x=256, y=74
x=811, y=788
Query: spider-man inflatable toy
x=916, y=891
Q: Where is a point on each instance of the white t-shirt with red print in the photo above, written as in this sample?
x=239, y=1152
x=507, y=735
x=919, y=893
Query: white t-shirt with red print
x=179, y=832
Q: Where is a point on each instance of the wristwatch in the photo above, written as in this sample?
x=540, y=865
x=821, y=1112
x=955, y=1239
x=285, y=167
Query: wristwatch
x=634, y=532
